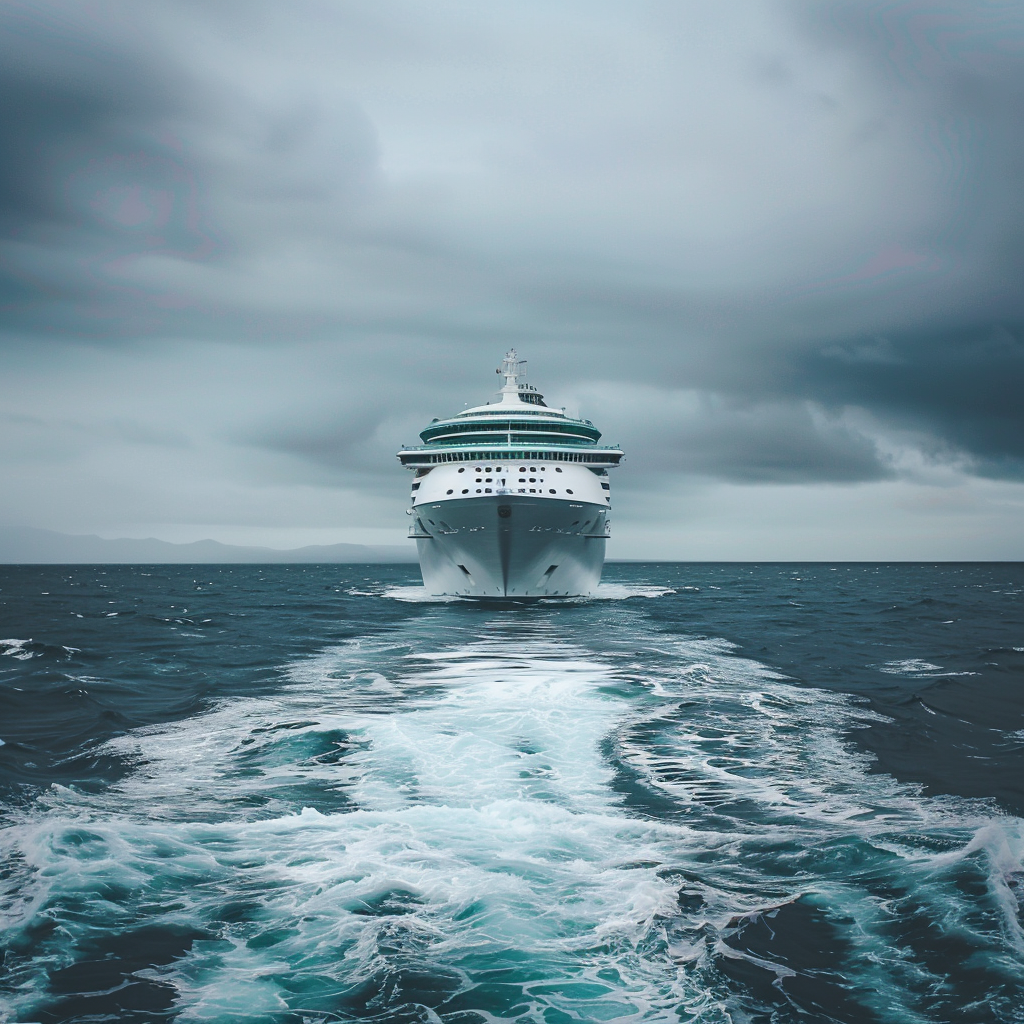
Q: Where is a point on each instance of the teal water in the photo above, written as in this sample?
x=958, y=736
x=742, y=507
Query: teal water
x=748, y=793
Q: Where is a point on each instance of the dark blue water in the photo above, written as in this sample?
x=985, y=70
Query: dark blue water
x=748, y=793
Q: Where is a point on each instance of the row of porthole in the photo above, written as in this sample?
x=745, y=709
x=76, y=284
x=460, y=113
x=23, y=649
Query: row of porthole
x=497, y=469
x=522, y=480
x=522, y=490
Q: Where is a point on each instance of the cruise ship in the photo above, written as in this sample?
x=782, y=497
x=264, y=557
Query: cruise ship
x=511, y=500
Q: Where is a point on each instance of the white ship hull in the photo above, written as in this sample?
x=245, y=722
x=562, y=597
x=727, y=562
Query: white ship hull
x=511, y=546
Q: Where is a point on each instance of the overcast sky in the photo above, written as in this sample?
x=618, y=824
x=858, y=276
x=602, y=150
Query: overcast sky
x=773, y=249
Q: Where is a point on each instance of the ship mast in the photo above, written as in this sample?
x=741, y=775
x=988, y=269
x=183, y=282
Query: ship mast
x=512, y=369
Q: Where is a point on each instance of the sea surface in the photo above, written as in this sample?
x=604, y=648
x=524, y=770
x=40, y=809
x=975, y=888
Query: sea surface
x=718, y=792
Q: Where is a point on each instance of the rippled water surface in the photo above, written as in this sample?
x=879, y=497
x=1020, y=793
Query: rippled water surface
x=748, y=793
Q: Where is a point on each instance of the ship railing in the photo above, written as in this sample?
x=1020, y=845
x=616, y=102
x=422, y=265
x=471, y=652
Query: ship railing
x=491, y=447
x=431, y=456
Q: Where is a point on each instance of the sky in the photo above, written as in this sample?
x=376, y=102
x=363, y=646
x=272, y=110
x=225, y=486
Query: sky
x=775, y=250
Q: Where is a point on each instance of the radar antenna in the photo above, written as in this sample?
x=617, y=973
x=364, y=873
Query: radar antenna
x=515, y=389
x=513, y=370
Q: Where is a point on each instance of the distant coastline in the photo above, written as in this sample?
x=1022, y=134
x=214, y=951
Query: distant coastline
x=30, y=546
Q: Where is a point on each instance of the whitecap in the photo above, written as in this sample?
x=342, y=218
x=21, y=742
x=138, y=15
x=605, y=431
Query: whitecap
x=17, y=649
x=910, y=667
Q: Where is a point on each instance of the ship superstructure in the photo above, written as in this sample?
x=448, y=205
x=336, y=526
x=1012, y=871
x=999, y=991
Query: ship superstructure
x=511, y=499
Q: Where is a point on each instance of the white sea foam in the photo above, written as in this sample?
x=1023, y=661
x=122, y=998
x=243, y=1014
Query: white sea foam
x=910, y=667
x=16, y=649
x=415, y=595
x=624, y=591
x=605, y=592
x=449, y=803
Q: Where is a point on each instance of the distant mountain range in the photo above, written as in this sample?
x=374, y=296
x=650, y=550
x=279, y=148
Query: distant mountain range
x=28, y=545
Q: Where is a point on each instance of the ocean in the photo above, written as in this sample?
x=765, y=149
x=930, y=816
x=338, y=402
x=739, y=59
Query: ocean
x=717, y=792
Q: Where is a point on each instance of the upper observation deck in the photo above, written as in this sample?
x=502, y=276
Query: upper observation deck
x=518, y=426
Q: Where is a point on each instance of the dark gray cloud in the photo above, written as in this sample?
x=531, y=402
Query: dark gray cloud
x=783, y=443
x=963, y=387
x=762, y=243
x=90, y=173
x=67, y=102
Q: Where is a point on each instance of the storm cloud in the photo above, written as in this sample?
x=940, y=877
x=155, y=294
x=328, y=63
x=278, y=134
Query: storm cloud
x=246, y=250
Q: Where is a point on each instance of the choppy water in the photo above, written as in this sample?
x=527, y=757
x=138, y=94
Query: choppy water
x=718, y=793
